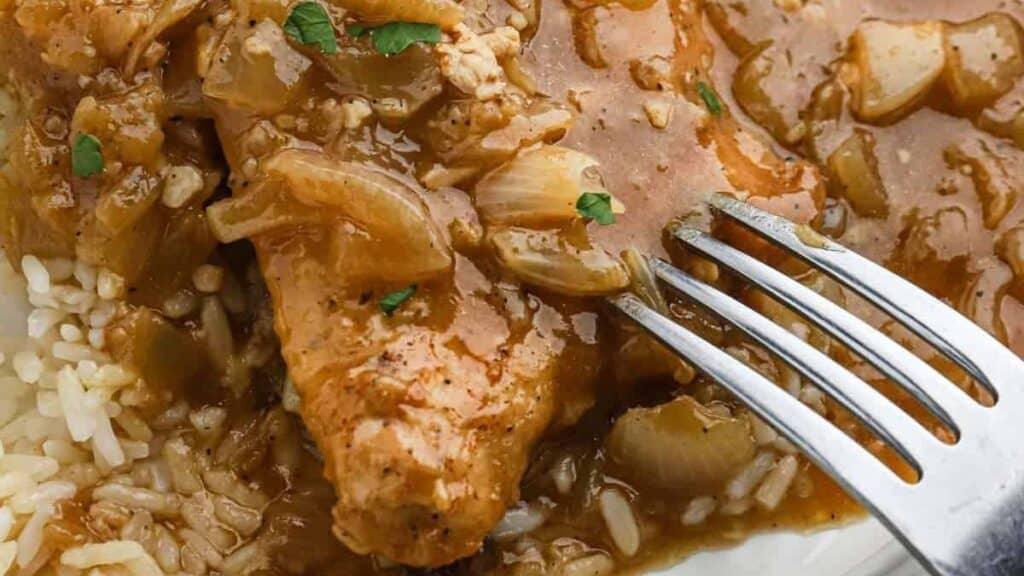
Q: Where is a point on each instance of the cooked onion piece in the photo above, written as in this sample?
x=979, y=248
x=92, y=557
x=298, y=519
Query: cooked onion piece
x=1010, y=249
x=397, y=85
x=680, y=446
x=171, y=12
x=896, y=65
x=258, y=209
x=761, y=89
x=256, y=68
x=444, y=13
x=548, y=259
x=639, y=357
x=388, y=211
x=984, y=59
x=855, y=168
x=539, y=186
x=993, y=179
x=643, y=282
x=540, y=123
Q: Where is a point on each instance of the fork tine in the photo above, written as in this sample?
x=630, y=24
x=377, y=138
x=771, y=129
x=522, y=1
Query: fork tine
x=919, y=379
x=958, y=338
x=855, y=469
x=876, y=411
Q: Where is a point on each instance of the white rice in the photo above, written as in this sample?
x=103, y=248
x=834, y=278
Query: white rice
x=60, y=392
x=620, y=521
x=520, y=519
x=208, y=278
x=770, y=493
x=748, y=478
x=563, y=474
x=698, y=510
x=592, y=565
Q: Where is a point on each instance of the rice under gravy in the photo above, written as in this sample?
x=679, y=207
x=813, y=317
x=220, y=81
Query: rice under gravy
x=82, y=471
x=89, y=486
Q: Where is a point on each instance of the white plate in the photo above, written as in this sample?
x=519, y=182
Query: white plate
x=862, y=549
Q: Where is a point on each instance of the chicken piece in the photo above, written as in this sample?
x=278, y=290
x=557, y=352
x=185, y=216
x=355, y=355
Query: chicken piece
x=426, y=419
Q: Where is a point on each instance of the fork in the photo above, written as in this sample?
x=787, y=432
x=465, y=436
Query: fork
x=964, y=515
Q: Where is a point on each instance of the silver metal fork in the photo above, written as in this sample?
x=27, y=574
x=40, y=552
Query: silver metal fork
x=965, y=514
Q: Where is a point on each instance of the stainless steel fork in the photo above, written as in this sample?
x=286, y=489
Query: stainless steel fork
x=965, y=514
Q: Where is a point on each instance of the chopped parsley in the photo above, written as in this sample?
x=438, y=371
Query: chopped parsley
x=395, y=37
x=710, y=99
x=391, y=302
x=597, y=207
x=308, y=23
x=357, y=30
x=86, y=156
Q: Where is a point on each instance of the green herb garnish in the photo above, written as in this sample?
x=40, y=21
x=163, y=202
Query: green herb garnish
x=395, y=37
x=710, y=99
x=391, y=302
x=596, y=206
x=86, y=156
x=308, y=23
x=357, y=30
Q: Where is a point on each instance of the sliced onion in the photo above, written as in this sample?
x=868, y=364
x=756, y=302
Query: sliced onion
x=642, y=280
x=399, y=227
x=549, y=260
x=680, y=447
x=171, y=12
x=397, y=85
x=539, y=186
x=261, y=208
x=640, y=357
x=256, y=68
x=444, y=13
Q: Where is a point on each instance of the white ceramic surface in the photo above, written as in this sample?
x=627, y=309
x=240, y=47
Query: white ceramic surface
x=862, y=549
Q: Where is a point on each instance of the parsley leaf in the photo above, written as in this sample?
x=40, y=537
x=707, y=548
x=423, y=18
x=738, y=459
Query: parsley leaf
x=86, y=156
x=596, y=206
x=710, y=99
x=308, y=23
x=395, y=37
x=391, y=302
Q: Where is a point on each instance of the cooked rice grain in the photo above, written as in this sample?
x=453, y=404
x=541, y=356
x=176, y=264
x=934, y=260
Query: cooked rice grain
x=775, y=485
x=620, y=521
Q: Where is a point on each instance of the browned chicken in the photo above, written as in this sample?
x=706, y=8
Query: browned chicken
x=441, y=192
x=425, y=419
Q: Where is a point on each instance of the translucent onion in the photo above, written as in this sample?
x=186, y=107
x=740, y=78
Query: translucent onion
x=549, y=260
x=256, y=68
x=896, y=65
x=259, y=209
x=640, y=357
x=681, y=447
x=855, y=168
x=402, y=237
x=444, y=13
x=984, y=59
x=171, y=12
x=642, y=280
x=397, y=85
x=539, y=186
